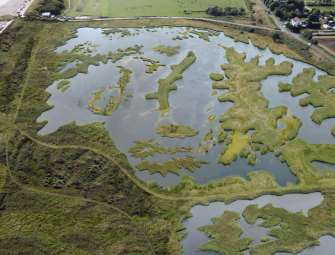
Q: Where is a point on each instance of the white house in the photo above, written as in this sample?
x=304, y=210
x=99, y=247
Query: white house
x=296, y=21
x=326, y=26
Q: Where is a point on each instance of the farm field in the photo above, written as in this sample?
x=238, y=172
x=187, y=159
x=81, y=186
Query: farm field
x=134, y=8
x=327, y=43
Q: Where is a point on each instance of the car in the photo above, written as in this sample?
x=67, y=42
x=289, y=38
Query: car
x=309, y=44
x=169, y=17
x=137, y=17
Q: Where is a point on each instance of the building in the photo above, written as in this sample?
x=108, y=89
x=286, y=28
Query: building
x=46, y=15
x=296, y=22
x=326, y=26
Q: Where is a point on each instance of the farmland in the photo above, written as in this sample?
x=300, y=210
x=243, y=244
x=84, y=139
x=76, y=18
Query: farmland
x=134, y=8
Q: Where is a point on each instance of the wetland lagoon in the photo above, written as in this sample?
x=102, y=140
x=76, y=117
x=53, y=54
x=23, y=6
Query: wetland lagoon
x=189, y=104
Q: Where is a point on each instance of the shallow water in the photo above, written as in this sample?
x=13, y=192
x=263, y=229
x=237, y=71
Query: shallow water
x=134, y=121
x=292, y=202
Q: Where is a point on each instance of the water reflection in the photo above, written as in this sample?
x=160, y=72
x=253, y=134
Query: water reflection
x=133, y=120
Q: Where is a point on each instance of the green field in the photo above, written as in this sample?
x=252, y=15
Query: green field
x=134, y=8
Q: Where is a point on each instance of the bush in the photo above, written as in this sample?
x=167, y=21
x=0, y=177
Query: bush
x=264, y=149
x=255, y=147
x=307, y=35
x=214, y=10
x=314, y=41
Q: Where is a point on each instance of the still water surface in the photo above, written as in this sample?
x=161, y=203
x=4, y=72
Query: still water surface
x=133, y=120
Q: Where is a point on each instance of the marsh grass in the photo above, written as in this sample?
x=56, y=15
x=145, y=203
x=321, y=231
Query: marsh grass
x=165, y=85
x=171, y=166
x=225, y=235
x=152, y=148
x=250, y=110
x=216, y=76
x=62, y=83
x=319, y=95
x=178, y=131
x=170, y=51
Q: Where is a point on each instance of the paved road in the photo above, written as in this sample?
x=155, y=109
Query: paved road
x=295, y=35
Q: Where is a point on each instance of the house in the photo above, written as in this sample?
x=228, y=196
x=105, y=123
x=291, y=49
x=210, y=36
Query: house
x=46, y=15
x=326, y=26
x=296, y=22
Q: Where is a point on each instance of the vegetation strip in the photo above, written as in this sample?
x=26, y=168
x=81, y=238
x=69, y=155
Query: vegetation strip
x=165, y=85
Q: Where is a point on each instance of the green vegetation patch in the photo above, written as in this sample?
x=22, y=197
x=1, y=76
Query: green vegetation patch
x=124, y=32
x=144, y=149
x=250, y=110
x=319, y=95
x=299, y=154
x=208, y=136
x=297, y=231
x=153, y=66
x=210, y=119
x=225, y=235
x=123, y=81
x=216, y=76
x=87, y=60
x=96, y=96
x=202, y=148
x=83, y=48
x=235, y=144
x=222, y=135
x=171, y=166
x=61, y=84
x=165, y=85
x=205, y=34
x=214, y=93
x=170, y=51
x=180, y=131
x=65, y=87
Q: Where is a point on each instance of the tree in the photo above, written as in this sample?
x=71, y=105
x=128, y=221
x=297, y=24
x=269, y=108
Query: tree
x=314, y=41
x=307, y=35
x=214, y=10
x=273, y=6
x=279, y=13
x=275, y=37
x=313, y=17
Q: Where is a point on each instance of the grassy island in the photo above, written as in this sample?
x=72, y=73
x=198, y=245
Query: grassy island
x=250, y=110
x=144, y=149
x=225, y=235
x=170, y=51
x=165, y=85
x=153, y=66
x=319, y=94
x=87, y=60
x=180, y=131
x=96, y=96
x=123, y=81
x=171, y=166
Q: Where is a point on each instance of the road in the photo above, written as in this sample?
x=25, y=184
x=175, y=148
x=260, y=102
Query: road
x=295, y=35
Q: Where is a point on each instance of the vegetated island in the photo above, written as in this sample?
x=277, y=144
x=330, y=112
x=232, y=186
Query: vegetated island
x=171, y=166
x=153, y=66
x=170, y=51
x=96, y=96
x=144, y=149
x=83, y=48
x=87, y=60
x=250, y=110
x=165, y=85
x=63, y=85
x=114, y=103
x=124, y=79
x=124, y=32
x=224, y=234
x=202, y=34
x=176, y=131
x=319, y=94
